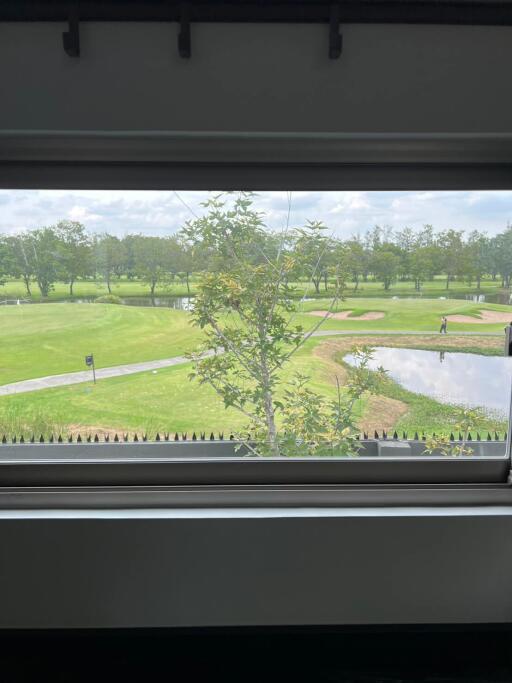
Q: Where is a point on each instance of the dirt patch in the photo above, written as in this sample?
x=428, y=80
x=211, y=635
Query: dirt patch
x=429, y=341
x=484, y=318
x=326, y=352
x=344, y=315
x=381, y=412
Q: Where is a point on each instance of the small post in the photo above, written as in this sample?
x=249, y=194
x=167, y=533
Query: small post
x=89, y=361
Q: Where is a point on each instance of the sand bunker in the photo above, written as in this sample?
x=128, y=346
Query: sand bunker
x=343, y=315
x=485, y=318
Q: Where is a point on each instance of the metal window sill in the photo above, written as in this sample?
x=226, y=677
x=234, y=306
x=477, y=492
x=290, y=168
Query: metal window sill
x=223, y=497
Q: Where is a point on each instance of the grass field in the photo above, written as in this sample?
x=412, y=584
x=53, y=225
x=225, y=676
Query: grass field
x=165, y=401
x=168, y=401
x=54, y=338
x=49, y=339
x=405, y=314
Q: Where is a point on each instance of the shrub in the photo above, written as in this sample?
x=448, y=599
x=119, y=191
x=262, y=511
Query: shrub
x=108, y=299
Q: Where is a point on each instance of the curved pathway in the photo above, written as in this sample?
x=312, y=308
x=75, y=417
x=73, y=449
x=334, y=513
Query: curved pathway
x=68, y=378
x=86, y=375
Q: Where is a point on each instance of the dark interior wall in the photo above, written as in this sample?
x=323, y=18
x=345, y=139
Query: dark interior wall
x=233, y=567
x=258, y=78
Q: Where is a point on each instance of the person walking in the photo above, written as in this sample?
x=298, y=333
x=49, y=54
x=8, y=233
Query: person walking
x=444, y=325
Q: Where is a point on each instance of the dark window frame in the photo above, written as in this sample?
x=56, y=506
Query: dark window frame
x=261, y=161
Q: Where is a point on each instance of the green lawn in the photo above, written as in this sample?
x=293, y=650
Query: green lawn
x=404, y=314
x=50, y=339
x=168, y=401
x=427, y=416
x=146, y=402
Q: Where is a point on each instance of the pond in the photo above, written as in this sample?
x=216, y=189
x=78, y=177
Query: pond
x=180, y=303
x=477, y=298
x=448, y=377
x=497, y=298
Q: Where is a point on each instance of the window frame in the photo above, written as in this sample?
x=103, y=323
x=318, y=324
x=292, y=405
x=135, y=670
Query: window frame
x=260, y=161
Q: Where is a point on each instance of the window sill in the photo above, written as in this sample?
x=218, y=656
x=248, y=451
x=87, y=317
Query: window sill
x=213, y=464
x=257, y=497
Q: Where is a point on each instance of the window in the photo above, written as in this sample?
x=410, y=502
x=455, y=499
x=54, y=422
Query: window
x=362, y=327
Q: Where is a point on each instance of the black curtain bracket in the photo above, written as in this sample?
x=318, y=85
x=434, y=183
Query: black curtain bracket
x=335, y=37
x=71, y=37
x=184, y=38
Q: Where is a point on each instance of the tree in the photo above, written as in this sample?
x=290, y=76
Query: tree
x=406, y=242
x=503, y=255
x=451, y=244
x=247, y=311
x=352, y=259
x=153, y=260
x=128, y=252
x=74, y=252
x=43, y=248
x=475, y=257
x=109, y=257
x=317, y=254
x=385, y=267
x=5, y=263
x=426, y=237
x=423, y=265
x=493, y=257
x=184, y=259
x=20, y=258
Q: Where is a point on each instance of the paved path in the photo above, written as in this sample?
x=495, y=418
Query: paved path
x=68, y=378
x=422, y=333
x=86, y=375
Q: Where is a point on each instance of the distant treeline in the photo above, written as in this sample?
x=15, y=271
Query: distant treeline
x=66, y=252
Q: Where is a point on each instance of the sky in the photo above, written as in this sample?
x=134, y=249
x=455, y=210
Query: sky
x=346, y=214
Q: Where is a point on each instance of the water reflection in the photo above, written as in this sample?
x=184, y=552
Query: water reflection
x=185, y=303
x=180, y=303
x=480, y=298
x=461, y=378
x=477, y=298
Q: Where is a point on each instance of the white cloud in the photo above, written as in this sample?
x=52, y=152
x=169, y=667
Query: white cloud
x=83, y=215
x=345, y=213
x=350, y=201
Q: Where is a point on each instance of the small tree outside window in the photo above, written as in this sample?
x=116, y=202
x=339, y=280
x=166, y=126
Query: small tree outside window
x=247, y=306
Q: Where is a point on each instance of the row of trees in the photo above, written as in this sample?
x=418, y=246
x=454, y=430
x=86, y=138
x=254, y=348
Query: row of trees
x=419, y=256
x=66, y=253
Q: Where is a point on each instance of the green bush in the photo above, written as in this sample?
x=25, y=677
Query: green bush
x=108, y=299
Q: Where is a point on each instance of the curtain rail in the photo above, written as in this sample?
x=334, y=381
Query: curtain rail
x=463, y=12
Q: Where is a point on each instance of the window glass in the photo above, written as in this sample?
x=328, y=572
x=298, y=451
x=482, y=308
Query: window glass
x=297, y=323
